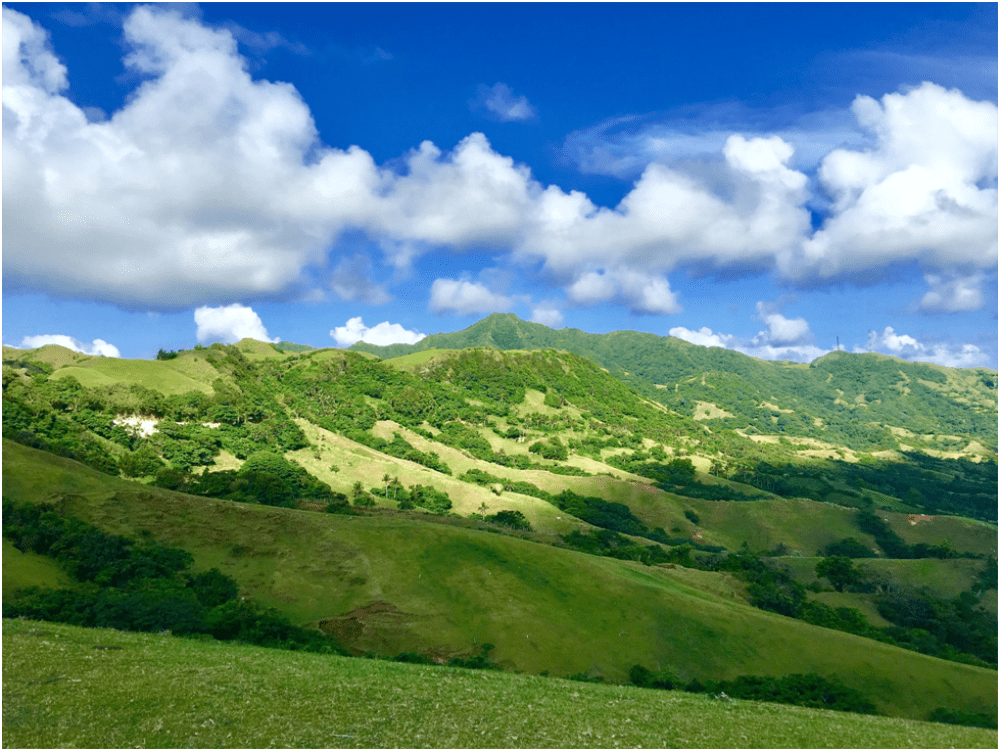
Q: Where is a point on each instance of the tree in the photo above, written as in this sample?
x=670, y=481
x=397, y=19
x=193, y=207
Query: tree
x=839, y=570
x=386, y=479
x=483, y=508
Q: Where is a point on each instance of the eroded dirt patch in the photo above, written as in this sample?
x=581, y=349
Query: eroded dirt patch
x=367, y=623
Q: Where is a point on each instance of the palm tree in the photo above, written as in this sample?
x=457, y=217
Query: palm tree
x=385, y=479
x=483, y=508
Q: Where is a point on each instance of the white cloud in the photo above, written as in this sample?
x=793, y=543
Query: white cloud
x=925, y=192
x=624, y=146
x=459, y=296
x=472, y=196
x=208, y=184
x=782, y=338
x=740, y=212
x=640, y=292
x=703, y=337
x=230, y=323
x=950, y=293
x=198, y=187
x=547, y=315
x=381, y=335
x=97, y=347
x=758, y=347
x=780, y=331
x=904, y=346
x=500, y=102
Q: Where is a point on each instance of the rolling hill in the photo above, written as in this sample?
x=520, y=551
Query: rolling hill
x=583, y=503
x=386, y=585
x=858, y=401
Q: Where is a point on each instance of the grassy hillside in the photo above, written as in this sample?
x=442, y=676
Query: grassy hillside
x=387, y=584
x=62, y=683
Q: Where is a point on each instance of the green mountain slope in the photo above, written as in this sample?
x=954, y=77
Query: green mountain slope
x=389, y=584
x=860, y=401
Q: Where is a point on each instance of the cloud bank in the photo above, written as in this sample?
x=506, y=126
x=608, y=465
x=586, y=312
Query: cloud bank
x=208, y=184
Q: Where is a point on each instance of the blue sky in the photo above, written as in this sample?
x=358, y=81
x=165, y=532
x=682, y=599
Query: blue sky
x=764, y=177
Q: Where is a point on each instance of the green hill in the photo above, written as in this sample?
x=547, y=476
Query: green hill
x=859, y=401
x=387, y=584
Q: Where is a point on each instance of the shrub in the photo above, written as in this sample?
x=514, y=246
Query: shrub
x=849, y=547
x=646, y=678
x=957, y=717
x=512, y=519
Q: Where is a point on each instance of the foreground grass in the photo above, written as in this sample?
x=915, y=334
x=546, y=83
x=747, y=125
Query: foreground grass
x=66, y=686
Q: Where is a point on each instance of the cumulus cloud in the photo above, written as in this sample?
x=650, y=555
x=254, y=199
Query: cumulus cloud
x=460, y=296
x=96, y=347
x=547, y=315
x=781, y=331
x=501, y=103
x=926, y=191
x=640, y=292
x=759, y=346
x=748, y=208
x=230, y=323
x=906, y=347
x=208, y=184
x=381, y=335
x=952, y=293
x=782, y=338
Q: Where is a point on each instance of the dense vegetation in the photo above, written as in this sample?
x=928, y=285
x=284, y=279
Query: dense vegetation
x=846, y=399
x=958, y=629
x=801, y=690
x=143, y=586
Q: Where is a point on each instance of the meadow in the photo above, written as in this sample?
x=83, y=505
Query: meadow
x=97, y=688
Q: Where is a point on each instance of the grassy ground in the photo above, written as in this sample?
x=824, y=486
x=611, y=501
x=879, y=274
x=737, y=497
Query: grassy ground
x=187, y=372
x=72, y=687
x=22, y=570
x=395, y=584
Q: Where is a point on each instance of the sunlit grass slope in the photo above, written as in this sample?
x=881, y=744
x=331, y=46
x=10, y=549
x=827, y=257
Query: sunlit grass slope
x=387, y=585
x=66, y=686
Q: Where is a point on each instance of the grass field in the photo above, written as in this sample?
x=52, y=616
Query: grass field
x=390, y=584
x=71, y=687
x=29, y=569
